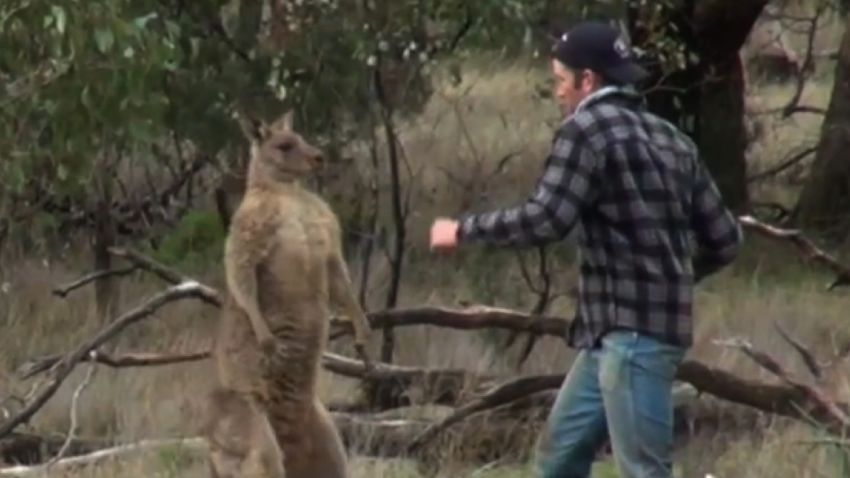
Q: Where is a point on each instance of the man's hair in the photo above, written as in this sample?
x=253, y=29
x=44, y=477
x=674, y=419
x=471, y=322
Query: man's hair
x=603, y=79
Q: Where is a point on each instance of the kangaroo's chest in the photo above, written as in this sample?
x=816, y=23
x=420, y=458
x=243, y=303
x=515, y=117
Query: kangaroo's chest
x=303, y=245
x=308, y=230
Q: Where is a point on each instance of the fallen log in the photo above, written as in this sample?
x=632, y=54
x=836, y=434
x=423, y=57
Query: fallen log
x=786, y=399
x=503, y=394
x=452, y=386
x=776, y=398
x=506, y=433
x=470, y=318
x=437, y=386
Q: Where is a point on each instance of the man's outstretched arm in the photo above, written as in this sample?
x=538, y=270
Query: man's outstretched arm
x=551, y=211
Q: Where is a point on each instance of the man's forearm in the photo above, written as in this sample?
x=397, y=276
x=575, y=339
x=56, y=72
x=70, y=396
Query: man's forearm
x=522, y=226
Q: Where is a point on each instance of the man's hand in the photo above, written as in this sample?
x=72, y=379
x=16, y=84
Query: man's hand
x=444, y=234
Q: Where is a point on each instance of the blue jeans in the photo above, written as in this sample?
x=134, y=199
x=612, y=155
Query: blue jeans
x=622, y=392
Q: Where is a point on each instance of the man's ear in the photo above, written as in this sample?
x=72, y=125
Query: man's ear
x=598, y=81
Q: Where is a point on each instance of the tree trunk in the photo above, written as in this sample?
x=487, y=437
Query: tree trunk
x=721, y=27
x=722, y=140
x=704, y=98
x=825, y=199
x=104, y=238
x=383, y=396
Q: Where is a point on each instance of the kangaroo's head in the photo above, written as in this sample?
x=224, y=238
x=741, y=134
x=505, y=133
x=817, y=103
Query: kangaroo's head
x=280, y=153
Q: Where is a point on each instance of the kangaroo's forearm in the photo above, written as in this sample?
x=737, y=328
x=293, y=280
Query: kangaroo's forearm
x=342, y=296
x=242, y=283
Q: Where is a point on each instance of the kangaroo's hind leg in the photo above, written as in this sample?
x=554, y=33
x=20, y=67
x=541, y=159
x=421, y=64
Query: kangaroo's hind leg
x=319, y=451
x=242, y=442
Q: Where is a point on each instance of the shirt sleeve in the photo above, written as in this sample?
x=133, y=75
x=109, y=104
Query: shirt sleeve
x=718, y=234
x=550, y=212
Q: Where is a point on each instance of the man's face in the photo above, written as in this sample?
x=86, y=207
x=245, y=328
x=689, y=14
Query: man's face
x=566, y=92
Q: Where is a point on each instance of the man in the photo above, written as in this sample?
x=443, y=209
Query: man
x=652, y=225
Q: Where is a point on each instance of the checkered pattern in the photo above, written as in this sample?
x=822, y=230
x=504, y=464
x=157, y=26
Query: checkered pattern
x=652, y=222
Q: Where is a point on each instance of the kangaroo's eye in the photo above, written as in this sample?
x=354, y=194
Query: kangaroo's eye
x=286, y=146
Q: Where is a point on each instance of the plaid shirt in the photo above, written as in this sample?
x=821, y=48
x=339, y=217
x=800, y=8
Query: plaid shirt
x=652, y=220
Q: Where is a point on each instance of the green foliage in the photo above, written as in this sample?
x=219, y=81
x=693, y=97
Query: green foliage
x=80, y=85
x=92, y=89
x=197, y=240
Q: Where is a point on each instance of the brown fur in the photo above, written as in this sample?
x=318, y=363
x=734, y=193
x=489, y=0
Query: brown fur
x=242, y=442
x=285, y=271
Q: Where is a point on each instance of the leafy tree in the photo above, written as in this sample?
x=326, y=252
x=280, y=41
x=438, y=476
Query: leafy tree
x=692, y=50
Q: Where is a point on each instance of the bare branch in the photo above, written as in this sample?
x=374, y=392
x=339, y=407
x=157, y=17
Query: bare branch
x=805, y=354
x=838, y=442
x=475, y=317
x=762, y=359
x=791, y=110
x=502, y=163
x=437, y=386
x=785, y=164
x=109, y=453
x=813, y=396
x=164, y=272
x=64, y=290
x=63, y=368
x=544, y=297
x=447, y=385
x=72, y=431
x=526, y=274
x=355, y=369
x=780, y=212
x=40, y=365
x=806, y=246
x=500, y=395
x=782, y=399
x=169, y=275
x=434, y=380
x=815, y=110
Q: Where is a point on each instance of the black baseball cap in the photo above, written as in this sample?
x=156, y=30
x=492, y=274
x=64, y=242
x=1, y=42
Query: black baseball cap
x=599, y=47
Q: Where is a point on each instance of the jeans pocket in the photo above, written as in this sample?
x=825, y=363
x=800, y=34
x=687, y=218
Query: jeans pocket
x=613, y=364
x=661, y=361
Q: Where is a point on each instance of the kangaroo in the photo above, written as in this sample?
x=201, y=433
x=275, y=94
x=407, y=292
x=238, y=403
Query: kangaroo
x=242, y=442
x=285, y=270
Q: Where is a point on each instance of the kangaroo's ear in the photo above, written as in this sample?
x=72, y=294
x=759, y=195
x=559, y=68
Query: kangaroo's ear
x=284, y=123
x=254, y=130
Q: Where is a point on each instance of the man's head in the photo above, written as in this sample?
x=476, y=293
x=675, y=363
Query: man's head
x=587, y=57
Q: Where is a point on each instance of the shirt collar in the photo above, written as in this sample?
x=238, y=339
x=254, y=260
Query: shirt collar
x=603, y=92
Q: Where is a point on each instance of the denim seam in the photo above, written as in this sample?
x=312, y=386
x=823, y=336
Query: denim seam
x=630, y=369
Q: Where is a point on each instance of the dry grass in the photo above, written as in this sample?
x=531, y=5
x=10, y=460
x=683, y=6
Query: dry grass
x=466, y=129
